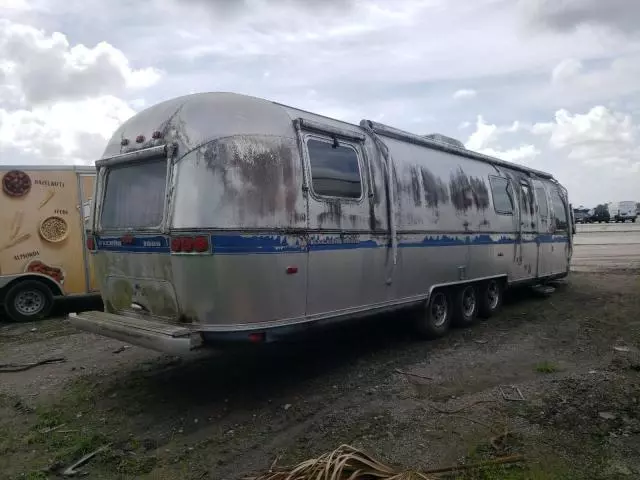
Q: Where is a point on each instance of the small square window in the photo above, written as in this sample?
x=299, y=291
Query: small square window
x=502, y=200
x=335, y=170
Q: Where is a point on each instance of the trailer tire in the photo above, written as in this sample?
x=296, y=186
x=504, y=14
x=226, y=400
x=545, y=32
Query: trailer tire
x=434, y=318
x=465, y=305
x=28, y=300
x=490, y=300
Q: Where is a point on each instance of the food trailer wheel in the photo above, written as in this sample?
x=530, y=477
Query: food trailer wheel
x=28, y=300
x=465, y=305
x=435, y=318
x=490, y=298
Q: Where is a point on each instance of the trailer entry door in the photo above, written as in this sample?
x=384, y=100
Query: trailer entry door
x=337, y=193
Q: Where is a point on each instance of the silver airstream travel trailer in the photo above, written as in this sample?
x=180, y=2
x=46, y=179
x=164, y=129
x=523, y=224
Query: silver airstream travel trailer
x=222, y=216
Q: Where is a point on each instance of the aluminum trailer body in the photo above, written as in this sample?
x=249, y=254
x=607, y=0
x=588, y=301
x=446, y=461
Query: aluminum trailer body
x=223, y=216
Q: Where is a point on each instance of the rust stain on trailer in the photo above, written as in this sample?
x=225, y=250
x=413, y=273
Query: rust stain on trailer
x=258, y=173
x=415, y=186
x=378, y=168
x=332, y=214
x=435, y=190
x=374, y=222
x=468, y=191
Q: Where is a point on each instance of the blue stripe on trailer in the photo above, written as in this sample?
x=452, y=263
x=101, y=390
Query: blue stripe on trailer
x=245, y=244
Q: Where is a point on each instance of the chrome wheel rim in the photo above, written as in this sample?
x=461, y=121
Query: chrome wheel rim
x=29, y=302
x=493, y=295
x=468, y=301
x=439, y=309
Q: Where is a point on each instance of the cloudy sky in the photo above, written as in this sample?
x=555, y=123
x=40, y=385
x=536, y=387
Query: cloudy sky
x=548, y=83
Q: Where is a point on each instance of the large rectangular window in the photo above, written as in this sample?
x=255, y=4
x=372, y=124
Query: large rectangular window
x=559, y=210
x=134, y=195
x=502, y=199
x=335, y=171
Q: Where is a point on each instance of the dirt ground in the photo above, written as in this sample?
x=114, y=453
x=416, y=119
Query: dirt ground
x=573, y=356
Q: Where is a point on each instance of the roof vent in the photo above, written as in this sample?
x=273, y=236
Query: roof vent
x=438, y=137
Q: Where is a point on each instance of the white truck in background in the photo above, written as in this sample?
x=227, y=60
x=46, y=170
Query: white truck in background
x=623, y=211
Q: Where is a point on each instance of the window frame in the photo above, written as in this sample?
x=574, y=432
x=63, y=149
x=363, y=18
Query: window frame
x=527, y=194
x=104, y=176
x=537, y=192
x=343, y=142
x=509, y=192
x=555, y=216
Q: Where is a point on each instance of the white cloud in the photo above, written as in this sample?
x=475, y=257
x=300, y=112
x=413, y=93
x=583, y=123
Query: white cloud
x=66, y=132
x=46, y=68
x=572, y=83
x=59, y=103
x=486, y=139
x=524, y=154
x=487, y=134
x=598, y=137
x=464, y=94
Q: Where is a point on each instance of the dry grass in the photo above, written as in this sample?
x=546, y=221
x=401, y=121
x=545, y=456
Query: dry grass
x=344, y=463
x=349, y=463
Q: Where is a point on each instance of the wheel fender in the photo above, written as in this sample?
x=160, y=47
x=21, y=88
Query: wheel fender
x=8, y=281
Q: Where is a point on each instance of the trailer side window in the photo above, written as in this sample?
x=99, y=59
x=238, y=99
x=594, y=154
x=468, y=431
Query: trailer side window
x=502, y=199
x=559, y=210
x=543, y=206
x=527, y=199
x=335, y=171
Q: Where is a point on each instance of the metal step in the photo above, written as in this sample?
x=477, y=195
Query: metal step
x=149, y=333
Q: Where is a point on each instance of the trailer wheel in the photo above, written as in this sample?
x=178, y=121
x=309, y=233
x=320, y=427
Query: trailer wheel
x=490, y=300
x=465, y=306
x=28, y=300
x=435, y=318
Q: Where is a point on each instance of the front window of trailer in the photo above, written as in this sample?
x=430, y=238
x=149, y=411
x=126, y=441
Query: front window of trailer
x=134, y=195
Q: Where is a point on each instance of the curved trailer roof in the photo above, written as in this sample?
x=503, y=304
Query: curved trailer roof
x=201, y=117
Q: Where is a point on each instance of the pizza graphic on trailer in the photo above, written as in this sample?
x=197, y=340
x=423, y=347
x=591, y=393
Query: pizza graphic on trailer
x=16, y=183
x=51, y=271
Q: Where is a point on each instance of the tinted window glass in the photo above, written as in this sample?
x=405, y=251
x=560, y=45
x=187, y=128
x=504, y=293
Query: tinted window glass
x=134, y=195
x=542, y=202
x=334, y=170
x=559, y=210
x=502, y=201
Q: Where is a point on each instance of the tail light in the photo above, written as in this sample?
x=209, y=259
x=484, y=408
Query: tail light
x=186, y=244
x=91, y=243
x=201, y=244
